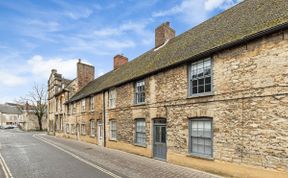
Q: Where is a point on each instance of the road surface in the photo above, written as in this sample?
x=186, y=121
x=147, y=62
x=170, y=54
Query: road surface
x=36, y=155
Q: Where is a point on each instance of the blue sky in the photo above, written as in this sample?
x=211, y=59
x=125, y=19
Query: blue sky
x=38, y=35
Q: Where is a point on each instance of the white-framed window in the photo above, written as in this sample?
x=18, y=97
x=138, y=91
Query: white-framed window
x=91, y=102
x=83, y=102
x=83, y=129
x=200, y=139
x=113, y=131
x=73, y=128
x=112, y=98
x=140, y=92
x=201, y=77
x=67, y=128
x=92, y=128
x=140, y=132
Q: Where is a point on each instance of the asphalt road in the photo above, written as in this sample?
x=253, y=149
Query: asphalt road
x=28, y=157
x=37, y=155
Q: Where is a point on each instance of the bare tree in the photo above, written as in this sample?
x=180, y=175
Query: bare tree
x=37, y=101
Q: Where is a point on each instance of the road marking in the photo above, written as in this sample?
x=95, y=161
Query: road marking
x=75, y=156
x=5, y=168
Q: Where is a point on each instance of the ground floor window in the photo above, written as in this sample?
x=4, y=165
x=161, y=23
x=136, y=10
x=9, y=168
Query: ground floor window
x=140, y=135
x=73, y=128
x=113, y=133
x=92, y=128
x=201, y=137
x=83, y=129
x=67, y=128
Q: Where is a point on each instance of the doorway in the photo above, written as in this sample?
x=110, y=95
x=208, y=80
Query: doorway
x=159, y=139
x=99, y=132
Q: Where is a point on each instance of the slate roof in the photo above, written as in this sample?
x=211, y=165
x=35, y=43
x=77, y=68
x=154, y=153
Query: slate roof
x=248, y=20
x=4, y=108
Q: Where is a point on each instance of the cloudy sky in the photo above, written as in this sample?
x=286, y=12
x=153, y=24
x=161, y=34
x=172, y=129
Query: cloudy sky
x=36, y=36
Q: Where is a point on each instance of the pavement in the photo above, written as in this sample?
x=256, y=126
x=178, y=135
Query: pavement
x=37, y=155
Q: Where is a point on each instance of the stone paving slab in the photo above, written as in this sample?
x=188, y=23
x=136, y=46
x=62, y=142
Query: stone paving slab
x=126, y=164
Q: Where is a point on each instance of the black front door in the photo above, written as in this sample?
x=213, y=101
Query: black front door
x=159, y=141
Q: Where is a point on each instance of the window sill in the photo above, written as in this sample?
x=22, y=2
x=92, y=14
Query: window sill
x=192, y=155
x=92, y=136
x=140, y=145
x=139, y=104
x=200, y=95
x=112, y=140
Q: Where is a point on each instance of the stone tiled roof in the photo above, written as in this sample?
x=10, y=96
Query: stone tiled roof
x=9, y=109
x=245, y=21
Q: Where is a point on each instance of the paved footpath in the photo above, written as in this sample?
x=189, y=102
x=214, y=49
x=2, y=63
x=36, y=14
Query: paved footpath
x=129, y=165
x=34, y=155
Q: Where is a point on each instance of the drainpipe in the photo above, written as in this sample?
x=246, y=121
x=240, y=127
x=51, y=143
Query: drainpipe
x=104, y=118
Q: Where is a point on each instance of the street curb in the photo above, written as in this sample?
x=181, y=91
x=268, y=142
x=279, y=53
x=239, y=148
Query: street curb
x=75, y=156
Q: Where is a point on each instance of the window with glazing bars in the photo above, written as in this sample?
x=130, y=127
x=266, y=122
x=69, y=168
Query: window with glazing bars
x=112, y=98
x=83, y=129
x=201, y=136
x=200, y=77
x=67, y=128
x=113, y=133
x=91, y=103
x=140, y=92
x=92, y=128
x=140, y=132
x=83, y=105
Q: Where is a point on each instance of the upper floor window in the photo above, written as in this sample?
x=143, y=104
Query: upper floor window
x=91, y=103
x=201, y=137
x=200, y=77
x=140, y=135
x=112, y=98
x=140, y=92
x=83, y=105
x=56, y=105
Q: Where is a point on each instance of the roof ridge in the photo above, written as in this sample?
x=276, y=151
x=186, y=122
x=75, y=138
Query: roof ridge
x=232, y=25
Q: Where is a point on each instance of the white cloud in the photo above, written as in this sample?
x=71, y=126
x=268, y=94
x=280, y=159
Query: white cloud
x=41, y=67
x=220, y=4
x=196, y=11
x=10, y=79
x=190, y=11
x=78, y=14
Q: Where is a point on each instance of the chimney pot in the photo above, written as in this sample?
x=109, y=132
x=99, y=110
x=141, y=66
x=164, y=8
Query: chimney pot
x=163, y=33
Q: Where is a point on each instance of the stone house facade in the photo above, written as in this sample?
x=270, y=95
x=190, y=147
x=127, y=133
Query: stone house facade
x=218, y=105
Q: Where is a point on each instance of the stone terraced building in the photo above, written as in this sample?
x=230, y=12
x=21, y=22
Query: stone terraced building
x=214, y=98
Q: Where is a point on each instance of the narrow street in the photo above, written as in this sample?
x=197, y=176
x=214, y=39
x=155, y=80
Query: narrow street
x=35, y=155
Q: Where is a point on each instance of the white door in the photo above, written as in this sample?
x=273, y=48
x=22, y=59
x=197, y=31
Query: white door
x=100, y=133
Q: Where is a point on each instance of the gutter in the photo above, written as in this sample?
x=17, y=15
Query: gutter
x=204, y=54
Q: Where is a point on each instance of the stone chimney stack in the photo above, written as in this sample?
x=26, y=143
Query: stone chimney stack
x=85, y=74
x=119, y=60
x=163, y=33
